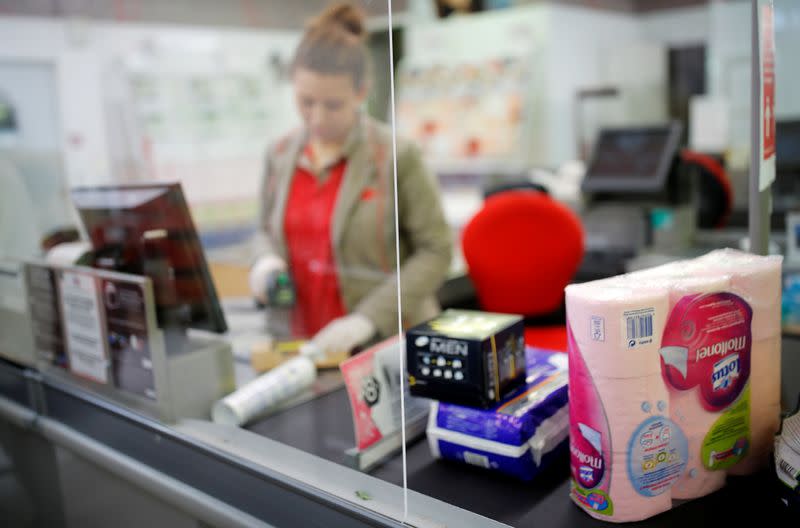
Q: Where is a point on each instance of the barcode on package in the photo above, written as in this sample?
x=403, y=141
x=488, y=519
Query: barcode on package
x=638, y=327
x=476, y=460
x=788, y=469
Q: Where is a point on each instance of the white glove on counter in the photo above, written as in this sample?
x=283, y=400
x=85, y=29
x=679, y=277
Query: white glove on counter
x=260, y=273
x=342, y=334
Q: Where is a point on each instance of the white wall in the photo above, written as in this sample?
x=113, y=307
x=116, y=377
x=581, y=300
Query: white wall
x=578, y=46
x=81, y=131
x=730, y=46
x=729, y=64
x=569, y=48
x=589, y=48
x=677, y=27
x=83, y=52
x=30, y=89
x=474, y=39
x=471, y=38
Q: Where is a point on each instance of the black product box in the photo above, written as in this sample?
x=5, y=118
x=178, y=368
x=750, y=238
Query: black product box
x=465, y=357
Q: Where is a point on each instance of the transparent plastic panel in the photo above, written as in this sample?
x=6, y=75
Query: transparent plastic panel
x=571, y=142
x=231, y=269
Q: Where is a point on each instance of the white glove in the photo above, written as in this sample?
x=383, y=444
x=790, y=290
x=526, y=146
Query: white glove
x=342, y=334
x=68, y=253
x=260, y=273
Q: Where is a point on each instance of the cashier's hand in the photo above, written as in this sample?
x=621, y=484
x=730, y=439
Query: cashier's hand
x=343, y=334
x=260, y=274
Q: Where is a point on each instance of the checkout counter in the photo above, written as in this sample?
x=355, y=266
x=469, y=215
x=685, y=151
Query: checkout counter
x=288, y=468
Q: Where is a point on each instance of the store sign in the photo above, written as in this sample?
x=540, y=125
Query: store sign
x=94, y=325
x=766, y=30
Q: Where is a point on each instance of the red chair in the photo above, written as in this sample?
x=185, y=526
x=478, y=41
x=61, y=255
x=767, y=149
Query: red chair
x=522, y=249
x=715, y=191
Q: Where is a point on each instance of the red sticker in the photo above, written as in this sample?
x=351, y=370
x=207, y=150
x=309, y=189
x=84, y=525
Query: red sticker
x=363, y=390
x=768, y=79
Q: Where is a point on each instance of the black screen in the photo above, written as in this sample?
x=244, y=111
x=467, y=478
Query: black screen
x=147, y=230
x=629, y=154
x=787, y=145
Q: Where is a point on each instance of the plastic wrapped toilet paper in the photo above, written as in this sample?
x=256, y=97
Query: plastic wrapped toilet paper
x=710, y=408
x=686, y=408
x=766, y=321
x=625, y=451
x=265, y=392
x=757, y=280
x=697, y=481
x=629, y=504
x=765, y=372
x=765, y=386
x=764, y=424
x=697, y=285
x=615, y=328
x=632, y=400
x=688, y=413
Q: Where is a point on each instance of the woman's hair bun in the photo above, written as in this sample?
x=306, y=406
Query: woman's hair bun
x=343, y=15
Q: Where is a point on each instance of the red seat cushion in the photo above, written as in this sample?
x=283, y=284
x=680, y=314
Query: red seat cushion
x=522, y=249
x=547, y=337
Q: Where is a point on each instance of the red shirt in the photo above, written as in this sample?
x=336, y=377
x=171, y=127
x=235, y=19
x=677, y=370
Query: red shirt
x=307, y=227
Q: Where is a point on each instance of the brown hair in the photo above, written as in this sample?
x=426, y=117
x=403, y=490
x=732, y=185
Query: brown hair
x=333, y=43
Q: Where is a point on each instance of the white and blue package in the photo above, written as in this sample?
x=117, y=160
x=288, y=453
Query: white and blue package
x=518, y=437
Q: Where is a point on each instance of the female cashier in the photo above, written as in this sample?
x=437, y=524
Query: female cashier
x=328, y=203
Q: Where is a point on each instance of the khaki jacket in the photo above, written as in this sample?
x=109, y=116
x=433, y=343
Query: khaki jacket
x=363, y=228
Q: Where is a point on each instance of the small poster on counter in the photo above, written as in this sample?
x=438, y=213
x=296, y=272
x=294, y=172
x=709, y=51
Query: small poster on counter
x=83, y=326
x=373, y=379
x=48, y=334
x=95, y=325
x=128, y=339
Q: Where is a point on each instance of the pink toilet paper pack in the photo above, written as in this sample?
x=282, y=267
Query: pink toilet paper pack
x=706, y=347
x=610, y=318
x=697, y=480
x=695, y=421
x=764, y=424
x=763, y=386
x=709, y=413
x=765, y=403
x=652, y=458
x=632, y=399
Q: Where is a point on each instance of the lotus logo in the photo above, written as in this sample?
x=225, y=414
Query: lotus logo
x=725, y=372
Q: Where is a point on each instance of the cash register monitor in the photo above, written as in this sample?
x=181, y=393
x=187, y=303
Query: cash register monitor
x=632, y=159
x=146, y=229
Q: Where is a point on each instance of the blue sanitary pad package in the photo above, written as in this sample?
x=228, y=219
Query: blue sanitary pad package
x=517, y=437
